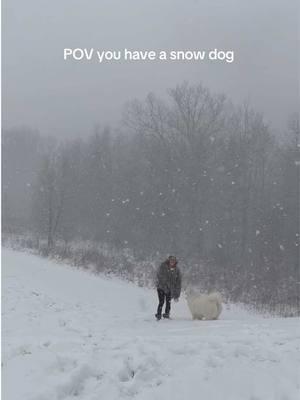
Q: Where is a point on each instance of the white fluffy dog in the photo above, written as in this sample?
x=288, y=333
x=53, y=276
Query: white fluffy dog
x=205, y=306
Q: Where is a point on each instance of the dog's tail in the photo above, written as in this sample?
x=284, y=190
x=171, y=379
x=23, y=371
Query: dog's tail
x=217, y=299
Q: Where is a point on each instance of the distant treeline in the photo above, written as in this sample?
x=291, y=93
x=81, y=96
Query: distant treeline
x=190, y=175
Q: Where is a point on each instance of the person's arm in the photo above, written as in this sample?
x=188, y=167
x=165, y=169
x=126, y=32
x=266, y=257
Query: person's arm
x=158, y=276
x=178, y=285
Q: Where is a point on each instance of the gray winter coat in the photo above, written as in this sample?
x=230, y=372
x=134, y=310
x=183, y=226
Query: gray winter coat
x=169, y=279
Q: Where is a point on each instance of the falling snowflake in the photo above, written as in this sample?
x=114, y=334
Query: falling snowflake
x=233, y=183
x=281, y=247
x=257, y=232
x=107, y=214
x=220, y=246
x=163, y=214
x=141, y=193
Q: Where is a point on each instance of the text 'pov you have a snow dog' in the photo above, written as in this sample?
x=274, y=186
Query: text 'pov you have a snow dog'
x=85, y=54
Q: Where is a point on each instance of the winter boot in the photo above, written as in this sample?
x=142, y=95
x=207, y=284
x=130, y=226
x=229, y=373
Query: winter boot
x=158, y=317
x=166, y=315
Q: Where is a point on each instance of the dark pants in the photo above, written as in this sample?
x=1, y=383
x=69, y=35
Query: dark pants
x=161, y=298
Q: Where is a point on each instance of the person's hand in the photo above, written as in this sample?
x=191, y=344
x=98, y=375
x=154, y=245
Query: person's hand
x=176, y=300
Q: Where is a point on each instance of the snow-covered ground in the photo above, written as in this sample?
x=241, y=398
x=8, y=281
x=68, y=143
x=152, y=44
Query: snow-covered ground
x=68, y=334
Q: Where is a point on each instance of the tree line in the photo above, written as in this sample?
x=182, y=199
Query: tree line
x=190, y=174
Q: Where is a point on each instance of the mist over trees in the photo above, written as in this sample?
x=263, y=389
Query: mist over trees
x=190, y=175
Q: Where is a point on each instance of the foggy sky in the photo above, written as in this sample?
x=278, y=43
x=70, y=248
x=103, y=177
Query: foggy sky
x=42, y=91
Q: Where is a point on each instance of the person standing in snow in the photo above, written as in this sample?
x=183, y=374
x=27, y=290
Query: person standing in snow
x=168, y=284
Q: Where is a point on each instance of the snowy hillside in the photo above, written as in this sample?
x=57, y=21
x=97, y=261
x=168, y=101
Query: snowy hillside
x=69, y=334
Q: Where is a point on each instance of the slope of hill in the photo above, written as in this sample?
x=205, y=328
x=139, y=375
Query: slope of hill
x=69, y=334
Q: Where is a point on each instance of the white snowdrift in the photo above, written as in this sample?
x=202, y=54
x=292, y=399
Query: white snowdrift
x=69, y=334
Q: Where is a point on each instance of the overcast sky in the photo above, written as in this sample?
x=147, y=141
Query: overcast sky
x=42, y=91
